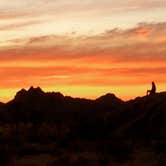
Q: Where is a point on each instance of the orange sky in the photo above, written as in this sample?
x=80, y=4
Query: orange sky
x=82, y=49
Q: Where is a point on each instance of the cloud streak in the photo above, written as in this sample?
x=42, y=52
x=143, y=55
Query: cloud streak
x=142, y=43
x=69, y=75
x=116, y=57
x=18, y=25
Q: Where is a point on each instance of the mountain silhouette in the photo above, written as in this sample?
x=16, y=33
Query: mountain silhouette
x=107, y=126
x=143, y=116
x=1, y=105
x=36, y=98
x=107, y=102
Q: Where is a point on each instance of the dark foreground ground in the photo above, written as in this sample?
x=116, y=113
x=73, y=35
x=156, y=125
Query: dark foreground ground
x=49, y=129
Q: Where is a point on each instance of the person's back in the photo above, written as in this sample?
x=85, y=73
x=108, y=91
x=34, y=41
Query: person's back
x=153, y=90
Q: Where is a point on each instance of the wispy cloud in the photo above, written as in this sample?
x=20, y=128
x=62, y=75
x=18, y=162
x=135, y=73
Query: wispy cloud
x=18, y=25
x=116, y=57
x=69, y=75
x=142, y=43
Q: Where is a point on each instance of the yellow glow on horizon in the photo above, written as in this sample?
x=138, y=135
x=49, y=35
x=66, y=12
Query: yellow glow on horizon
x=80, y=62
x=89, y=92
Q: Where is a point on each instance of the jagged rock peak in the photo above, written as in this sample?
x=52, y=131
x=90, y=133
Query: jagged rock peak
x=109, y=96
x=22, y=92
x=38, y=89
x=20, y=95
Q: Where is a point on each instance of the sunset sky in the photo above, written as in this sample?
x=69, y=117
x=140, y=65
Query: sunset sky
x=82, y=48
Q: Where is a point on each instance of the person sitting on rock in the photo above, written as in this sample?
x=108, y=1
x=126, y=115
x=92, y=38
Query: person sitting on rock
x=153, y=90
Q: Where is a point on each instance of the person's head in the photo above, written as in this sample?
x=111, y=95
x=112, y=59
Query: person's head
x=153, y=84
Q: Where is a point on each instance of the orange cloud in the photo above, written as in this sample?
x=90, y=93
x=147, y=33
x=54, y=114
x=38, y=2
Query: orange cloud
x=6, y=15
x=87, y=75
x=18, y=25
x=143, y=43
x=112, y=59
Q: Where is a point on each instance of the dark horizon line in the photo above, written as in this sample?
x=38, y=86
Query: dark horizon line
x=46, y=92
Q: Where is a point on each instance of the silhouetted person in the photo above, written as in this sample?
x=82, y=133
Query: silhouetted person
x=153, y=90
